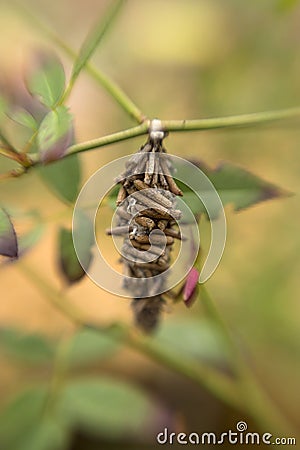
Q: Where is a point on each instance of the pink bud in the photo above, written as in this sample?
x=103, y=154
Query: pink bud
x=190, y=287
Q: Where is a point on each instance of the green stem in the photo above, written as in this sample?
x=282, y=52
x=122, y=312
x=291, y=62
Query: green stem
x=58, y=376
x=14, y=155
x=117, y=94
x=8, y=144
x=212, y=311
x=8, y=153
x=258, y=402
x=91, y=43
x=109, y=139
x=219, y=385
x=106, y=82
x=29, y=144
x=15, y=173
x=242, y=120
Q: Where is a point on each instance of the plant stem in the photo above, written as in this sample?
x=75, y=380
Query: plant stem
x=8, y=144
x=244, y=395
x=15, y=173
x=212, y=311
x=257, y=400
x=219, y=385
x=109, y=139
x=241, y=120
x=91, y=43
x=106, y=82
x=117, y=94
x=58, y=376
x=8, y=153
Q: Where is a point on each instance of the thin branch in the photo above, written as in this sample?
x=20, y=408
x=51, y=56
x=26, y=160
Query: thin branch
x=219, y=385
x=8, y=145
x=15, y=173
x=106, y=82
x=117, y=94
x=109, y=139
x=91, y=43
x=242, y=120
x=263, y=408
x=8, y=153
x=213, y=313
x=59, y=373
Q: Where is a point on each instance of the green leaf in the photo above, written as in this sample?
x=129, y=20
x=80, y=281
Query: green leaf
x=49, y=434
x=195, y=338
x=234, y=185
x=108, y=408
x=94, y=39
x=24, y=426
x=19, y=416
x=46, y=79
x=55, y=134
x=68, y=261
x=31, y=348
x=23, y=117
x=90, y=346
x=63, y=177
x=8, y=237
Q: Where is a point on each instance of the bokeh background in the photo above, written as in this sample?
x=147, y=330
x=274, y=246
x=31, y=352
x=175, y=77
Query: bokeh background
x=177, y=60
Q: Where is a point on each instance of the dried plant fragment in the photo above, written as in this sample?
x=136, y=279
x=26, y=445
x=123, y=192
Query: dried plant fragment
x=146, y=218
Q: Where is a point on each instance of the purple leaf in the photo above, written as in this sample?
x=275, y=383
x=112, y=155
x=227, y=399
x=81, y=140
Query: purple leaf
x=8, y=238
x=45, y=78
x=55, y=134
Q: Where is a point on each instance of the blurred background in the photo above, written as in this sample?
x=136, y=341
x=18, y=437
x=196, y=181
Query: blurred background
x=176, y=60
